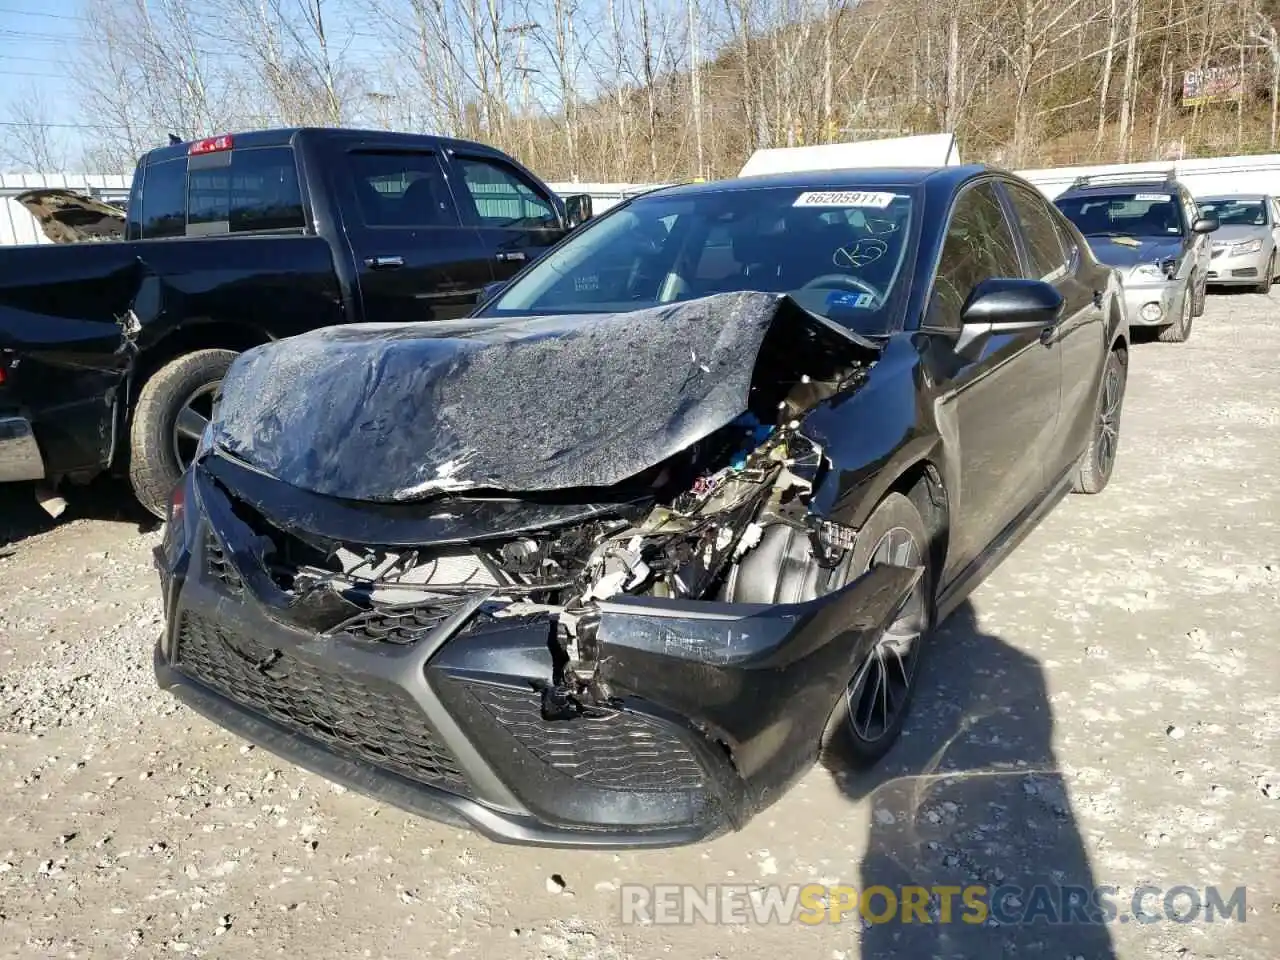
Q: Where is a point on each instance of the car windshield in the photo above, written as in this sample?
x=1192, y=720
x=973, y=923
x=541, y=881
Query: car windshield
x=1235, y=212
x=1126, y=213
x=840, y=254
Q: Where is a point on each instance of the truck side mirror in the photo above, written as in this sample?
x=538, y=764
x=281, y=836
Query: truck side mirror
x=577, y=209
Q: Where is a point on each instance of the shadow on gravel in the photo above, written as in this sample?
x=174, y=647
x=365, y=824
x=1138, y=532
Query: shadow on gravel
x=104, y=499
x=972, y=796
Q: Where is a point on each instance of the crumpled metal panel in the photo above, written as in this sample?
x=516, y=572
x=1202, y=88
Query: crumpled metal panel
x=383, y=412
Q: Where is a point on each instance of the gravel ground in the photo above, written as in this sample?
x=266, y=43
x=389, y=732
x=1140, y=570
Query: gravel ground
x=1104, y=711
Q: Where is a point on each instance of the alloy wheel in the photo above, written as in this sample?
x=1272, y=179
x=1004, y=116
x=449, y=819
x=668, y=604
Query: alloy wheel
x=193, y=416
x=879, y=691
x=1109, y=419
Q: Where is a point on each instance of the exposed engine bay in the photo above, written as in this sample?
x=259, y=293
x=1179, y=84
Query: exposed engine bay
x=676, y=529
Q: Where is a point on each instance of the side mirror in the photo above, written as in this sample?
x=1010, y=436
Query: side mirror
x=1006, y=305
x=577, y=209
x=489, y=291
x=1205, y=224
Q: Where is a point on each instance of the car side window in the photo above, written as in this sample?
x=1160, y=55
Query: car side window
x=164, y=199
x=979, y=246
x=1040, y=234
x=401, y=189
x=503, y=198
x=1189, y=209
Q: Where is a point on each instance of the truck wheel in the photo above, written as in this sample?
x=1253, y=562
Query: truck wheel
x=172, y=411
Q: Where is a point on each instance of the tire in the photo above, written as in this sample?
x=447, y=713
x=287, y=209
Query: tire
x=843, y=745
x=154, y=465
x=1201, y=300
x=1093, y=472
x=1264, y=286
x=1180, y=329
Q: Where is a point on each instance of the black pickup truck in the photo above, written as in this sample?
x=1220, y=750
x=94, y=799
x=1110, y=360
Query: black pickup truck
x=111, y=352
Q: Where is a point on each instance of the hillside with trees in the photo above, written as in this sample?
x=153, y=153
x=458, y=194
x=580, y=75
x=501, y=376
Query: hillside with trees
x=641, y=90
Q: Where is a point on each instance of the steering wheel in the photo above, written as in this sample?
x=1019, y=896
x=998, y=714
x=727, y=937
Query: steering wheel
x=844, y=280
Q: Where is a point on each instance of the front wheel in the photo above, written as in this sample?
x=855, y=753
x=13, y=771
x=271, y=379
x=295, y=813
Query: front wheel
x=1180, y=329
x=1264, y=285
x=869, y=716
x=174, y=407
x=1099, y=458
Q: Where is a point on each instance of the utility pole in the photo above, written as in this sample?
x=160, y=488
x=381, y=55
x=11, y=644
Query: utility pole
x=522, y=31
x=696, y=77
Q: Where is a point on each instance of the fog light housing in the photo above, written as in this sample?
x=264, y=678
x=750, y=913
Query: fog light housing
x=1151, y=312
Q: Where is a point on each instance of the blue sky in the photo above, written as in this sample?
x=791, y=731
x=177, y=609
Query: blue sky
x=34, y=35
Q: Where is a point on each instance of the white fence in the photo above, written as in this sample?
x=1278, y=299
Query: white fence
x=1206, y=177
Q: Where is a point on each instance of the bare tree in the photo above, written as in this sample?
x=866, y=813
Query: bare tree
x=32, y=144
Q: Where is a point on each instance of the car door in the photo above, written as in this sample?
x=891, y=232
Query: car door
x=1080, y=335
x=999, y=401
x=414, y=257
x=516, y=218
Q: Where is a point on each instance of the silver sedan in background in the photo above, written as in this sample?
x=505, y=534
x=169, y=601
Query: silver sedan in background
x=1244, y=247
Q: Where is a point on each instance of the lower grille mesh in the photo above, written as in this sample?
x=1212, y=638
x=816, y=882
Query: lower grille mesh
x=625, y=751
x=358, y=717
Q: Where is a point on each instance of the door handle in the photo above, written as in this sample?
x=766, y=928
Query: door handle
x=512, y=255
x=383, y=263
x=1097, y=299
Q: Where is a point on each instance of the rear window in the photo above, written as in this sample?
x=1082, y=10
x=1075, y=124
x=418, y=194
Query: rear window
x=256, y=190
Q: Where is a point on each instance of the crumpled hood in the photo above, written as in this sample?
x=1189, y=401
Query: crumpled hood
x=390, y=412
x=1124, y=254
x=66, y=216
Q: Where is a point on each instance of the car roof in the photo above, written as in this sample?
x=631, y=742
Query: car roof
x=285, y=136
x=849, y=179
x=1121, y=186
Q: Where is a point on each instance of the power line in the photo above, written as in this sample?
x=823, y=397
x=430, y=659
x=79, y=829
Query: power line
x=41, y=13
x=63, y=126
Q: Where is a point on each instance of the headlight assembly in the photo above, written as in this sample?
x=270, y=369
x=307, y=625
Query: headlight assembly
x=1246, y=246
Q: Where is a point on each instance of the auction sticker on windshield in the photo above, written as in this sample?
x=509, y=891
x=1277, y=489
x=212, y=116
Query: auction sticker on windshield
x=844, y=198
x=1155, y=197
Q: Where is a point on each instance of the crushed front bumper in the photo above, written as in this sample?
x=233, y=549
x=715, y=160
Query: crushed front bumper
x=1153, y=303
x=716, y=707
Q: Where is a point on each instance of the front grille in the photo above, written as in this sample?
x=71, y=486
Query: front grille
x=624, y=750
x=402, y=625
x=219, y=567
x=356, y=716
x=1245, y=272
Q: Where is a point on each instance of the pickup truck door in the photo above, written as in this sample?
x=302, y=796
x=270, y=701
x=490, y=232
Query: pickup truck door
x=515, y=215
x=414, y=257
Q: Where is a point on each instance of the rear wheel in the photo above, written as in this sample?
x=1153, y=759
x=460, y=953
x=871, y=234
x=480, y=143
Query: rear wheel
x=1099, y=459
x=174, y=407
x=869, y=716
x=1180, y=329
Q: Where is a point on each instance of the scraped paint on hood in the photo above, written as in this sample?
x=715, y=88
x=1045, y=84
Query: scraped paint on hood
x=391, y=412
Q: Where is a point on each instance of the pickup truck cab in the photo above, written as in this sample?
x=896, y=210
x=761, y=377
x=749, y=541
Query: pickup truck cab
x=111, y=353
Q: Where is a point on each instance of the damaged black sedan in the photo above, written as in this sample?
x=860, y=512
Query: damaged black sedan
x=616, y=560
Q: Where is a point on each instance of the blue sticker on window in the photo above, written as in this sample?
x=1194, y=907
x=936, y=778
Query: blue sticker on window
x=850, y=301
